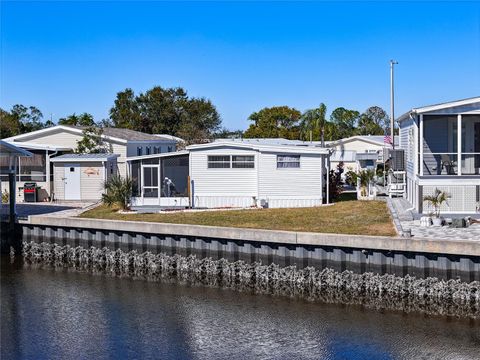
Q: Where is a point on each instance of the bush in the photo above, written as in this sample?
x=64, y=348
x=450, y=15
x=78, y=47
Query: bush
x=5, y=197
x=351, y=178
x=118, y=192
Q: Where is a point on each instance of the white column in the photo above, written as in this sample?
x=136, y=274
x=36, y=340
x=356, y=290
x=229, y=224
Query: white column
x=421, y=144
x=459, y=144
x=47, y=174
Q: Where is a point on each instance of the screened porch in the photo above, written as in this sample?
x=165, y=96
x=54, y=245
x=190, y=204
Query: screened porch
x=451, y=145
x=160, y=179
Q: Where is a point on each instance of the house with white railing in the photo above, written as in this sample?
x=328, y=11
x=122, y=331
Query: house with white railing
x=442, y=150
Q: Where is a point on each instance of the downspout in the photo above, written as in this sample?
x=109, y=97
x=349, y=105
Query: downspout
x=328, y=179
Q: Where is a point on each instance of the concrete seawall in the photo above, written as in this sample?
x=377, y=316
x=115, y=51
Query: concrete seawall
x=445, y=259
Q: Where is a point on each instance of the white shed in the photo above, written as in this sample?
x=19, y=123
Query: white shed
x=81, y=176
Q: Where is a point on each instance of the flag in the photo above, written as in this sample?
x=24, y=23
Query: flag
x=387, y=139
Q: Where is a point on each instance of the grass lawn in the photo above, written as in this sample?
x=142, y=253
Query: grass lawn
x=345, y=217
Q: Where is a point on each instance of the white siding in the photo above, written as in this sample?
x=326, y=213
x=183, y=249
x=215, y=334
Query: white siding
x=91, y=184
x=290, y=182
x=91, y=180
x=286, y=187
x=58, y=182
x=357, y=145
x=59, y=138
x=221, y=182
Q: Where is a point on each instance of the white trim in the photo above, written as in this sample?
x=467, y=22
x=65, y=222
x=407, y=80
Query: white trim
x=292, y=149
x=421, y=146
x=441, y=106
x=452, y=180
x=14, y=150
x=33, y=146
x=64, y=128
x=86, y=159
x=459, y=145
x=363, y=138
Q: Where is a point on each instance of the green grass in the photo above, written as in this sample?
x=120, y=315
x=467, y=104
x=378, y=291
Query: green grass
x=346, y=217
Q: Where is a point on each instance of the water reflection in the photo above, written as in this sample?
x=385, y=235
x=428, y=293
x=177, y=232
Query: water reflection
x=64, y=314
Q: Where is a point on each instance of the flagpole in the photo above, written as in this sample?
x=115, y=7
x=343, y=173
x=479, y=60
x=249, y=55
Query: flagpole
x=392, y=106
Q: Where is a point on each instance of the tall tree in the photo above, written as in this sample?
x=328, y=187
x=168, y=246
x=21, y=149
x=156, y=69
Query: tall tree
x=166, y=110
x=345, y=121
x=277, y=121
x=19, y=120
x=373, y=121
x=84, y=120
x=199, y=121
x=314, y=122
x=125, y=112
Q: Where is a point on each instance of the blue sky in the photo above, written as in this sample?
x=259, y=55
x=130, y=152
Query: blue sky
x=66, y=57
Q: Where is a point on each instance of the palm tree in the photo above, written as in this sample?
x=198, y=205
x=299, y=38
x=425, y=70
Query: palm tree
x=436, y=200
x=118, y=191
x=314, y=119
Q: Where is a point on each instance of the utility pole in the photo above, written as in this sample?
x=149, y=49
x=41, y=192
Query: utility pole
x=392, y=106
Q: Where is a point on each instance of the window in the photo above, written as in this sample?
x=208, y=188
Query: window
x=156, y=150
x=218, y=161
x=170, y=149
x=148, y=150
x=139, y=151
x=288, y=161
x=243, y=161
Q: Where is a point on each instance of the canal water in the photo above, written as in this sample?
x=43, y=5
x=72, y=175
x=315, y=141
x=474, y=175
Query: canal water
x=52, y=313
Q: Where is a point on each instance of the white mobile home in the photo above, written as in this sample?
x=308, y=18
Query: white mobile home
x=48, y=143
x=442, y=150
x=233, y=174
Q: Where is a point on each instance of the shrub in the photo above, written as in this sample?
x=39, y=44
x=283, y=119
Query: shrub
x=351, y=178
x=5, y=197
x=118, y=191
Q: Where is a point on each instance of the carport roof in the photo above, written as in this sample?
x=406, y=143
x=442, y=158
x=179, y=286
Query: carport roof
x=84, y=157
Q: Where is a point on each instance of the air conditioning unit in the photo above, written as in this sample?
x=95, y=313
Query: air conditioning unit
x=396, y=159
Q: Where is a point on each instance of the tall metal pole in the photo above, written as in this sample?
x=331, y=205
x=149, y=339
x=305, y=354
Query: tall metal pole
x=392, y=106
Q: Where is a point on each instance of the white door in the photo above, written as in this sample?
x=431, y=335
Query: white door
x=72, y=181
x=151, y=184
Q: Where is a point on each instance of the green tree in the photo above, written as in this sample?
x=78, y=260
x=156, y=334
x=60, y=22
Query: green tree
x=275, y=122
x=19, y=120
x=345, y=122
x=84, y=119
x=373, y=121
x=314, y=122
x=93, y=142
x=166, y=110
x=200, y=120
x=125, y=112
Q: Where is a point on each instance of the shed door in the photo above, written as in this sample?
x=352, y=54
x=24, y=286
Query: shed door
x=72, y=181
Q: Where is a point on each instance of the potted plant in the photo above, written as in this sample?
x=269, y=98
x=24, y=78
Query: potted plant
x=436, y=200
x=366, y=177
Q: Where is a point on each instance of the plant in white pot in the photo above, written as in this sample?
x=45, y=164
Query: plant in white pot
x=436, y=200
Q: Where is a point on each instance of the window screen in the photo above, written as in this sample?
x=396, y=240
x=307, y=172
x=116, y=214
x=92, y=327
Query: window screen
x=218, y=161
x=288, y=161
x=243, y=161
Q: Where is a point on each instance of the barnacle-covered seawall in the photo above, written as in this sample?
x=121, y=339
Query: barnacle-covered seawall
x=405, y=293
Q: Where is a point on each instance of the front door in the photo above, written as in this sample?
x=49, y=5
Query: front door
x=72, y=181
x=150, y=184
